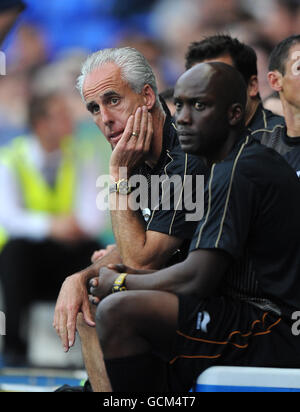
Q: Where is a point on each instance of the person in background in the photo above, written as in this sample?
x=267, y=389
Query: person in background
x=225, y=49
x=284, y=78
x=49, y=222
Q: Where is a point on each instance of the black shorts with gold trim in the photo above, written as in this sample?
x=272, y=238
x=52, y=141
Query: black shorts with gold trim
x=224, y=332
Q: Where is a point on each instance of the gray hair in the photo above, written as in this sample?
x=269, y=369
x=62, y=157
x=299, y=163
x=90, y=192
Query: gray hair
x=136, y=70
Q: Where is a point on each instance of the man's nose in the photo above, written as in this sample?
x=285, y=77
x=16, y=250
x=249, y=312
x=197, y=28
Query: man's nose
x=184, y=116
x=106, y=116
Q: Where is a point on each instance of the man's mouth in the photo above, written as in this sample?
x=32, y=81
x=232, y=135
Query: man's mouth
x=114, y=138
x=186, y=137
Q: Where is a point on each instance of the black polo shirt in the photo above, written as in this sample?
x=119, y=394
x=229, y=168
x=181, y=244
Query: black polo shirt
x=252, y=202
x=289, y=147
x=264, y=120
x=293, y=155
x=173, y=164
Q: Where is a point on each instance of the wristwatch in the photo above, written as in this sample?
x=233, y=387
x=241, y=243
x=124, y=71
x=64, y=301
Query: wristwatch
x=122, y=187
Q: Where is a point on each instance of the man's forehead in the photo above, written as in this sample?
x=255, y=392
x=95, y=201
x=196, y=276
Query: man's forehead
x=103, y=80
x=294, y=53
x=196, y=81
x=223, y=58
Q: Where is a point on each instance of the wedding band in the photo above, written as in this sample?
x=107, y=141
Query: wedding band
x=135, y=134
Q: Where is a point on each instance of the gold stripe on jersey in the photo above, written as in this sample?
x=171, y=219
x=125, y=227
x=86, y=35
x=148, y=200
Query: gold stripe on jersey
x=165, y=169
x=209, y=205
x=267, y=130
x=229, y=190
x=180, y=199
x=265, y=119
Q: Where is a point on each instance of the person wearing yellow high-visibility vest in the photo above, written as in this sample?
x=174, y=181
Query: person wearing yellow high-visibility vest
x=48, y=215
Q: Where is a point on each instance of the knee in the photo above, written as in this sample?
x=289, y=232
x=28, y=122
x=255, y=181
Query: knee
x=112, y=315
x=111, y=309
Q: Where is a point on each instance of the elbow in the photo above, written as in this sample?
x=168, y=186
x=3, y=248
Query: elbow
x=145, y=261
x=139, y=264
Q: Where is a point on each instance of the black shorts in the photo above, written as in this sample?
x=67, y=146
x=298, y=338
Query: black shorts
x=224, y=332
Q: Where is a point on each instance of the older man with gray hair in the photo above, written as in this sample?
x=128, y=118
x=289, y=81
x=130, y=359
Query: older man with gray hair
x=119, y=89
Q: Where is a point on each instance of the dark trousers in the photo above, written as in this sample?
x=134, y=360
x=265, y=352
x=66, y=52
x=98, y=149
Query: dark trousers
x=34, y=271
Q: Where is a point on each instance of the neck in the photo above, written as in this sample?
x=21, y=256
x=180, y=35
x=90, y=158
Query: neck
x=292, y=118
x=159, y=118
x=224, y=151
x=47, y=144
x=252, y=106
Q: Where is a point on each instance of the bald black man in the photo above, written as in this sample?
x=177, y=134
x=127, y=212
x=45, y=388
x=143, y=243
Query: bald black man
x=169, y=326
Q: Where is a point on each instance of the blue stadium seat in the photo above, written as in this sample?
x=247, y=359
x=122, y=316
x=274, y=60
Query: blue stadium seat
x=244, y=379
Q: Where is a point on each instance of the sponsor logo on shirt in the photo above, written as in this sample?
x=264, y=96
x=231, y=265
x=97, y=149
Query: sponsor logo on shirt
x=202, y=321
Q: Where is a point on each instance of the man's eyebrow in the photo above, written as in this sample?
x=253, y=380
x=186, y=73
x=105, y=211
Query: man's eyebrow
x=108, y=94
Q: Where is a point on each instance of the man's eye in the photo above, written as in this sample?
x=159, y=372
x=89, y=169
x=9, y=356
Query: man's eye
x=200, y=106
x=95, y=109
x=178, y=105
x=114, y=101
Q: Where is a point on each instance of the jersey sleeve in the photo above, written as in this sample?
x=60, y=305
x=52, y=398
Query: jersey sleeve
x=230, y=204
x=179, y=208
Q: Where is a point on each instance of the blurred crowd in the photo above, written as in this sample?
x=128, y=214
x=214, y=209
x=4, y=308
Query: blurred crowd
x=45, y=50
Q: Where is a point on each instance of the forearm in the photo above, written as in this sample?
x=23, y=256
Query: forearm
x=200, y=274
x=129, y=230
x=113, y=257
x=176, y=279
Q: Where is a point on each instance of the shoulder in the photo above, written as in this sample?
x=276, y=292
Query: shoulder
x=183, y=163
x=253, y=162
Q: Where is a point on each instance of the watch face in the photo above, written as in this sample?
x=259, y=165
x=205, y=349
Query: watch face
x=113, y=188
x=124, y=188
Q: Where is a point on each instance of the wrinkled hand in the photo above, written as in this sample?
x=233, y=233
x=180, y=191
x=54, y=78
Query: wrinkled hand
x=134, y=145
x=73, y=298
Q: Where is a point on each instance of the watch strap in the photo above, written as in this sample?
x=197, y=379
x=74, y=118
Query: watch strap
x=119, y=283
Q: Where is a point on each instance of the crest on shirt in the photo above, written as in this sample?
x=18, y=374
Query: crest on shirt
x=203, y=320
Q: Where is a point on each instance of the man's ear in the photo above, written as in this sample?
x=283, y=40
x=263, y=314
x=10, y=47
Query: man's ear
x=236, y=114
x=253, y=87
x=275, y=80
x=149, y=96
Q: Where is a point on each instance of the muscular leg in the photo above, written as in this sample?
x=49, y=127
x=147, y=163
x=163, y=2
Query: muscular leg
x=92, y=355
x=133, y=327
